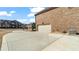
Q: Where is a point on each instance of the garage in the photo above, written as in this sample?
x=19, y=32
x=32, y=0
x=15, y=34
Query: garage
x=44, y=28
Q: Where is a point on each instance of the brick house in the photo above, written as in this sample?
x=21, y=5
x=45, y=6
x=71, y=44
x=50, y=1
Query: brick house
x=60, y=19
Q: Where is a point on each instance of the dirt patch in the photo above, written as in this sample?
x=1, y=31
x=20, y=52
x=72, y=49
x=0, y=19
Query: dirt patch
x=2, y=32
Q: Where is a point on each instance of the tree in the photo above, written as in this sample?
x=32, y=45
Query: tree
x=33, y=26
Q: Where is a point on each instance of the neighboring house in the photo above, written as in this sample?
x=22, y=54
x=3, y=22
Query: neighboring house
x=29, y=26
x=10, y=24
x=56, y=19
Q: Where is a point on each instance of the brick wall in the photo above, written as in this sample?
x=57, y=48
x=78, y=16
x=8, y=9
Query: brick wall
x=61, y=19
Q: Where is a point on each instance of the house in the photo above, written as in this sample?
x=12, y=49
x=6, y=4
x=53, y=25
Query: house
x=58, y=19
x=29, y=26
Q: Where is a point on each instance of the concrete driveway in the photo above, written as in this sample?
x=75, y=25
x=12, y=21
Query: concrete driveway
x=25, y=41
x=64, y=43
x=39, y=41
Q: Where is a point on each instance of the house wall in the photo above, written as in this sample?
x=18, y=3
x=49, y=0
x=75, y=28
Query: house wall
x=61, y=19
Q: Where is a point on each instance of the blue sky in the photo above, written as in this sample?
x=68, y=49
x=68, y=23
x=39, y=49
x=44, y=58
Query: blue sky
x=22, y=14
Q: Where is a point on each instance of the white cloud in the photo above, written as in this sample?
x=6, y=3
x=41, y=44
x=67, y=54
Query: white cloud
x=31, y=14
x=4, y=13
x=9, y=14
x=31, y=20
x=35, y=10
x=12, y=12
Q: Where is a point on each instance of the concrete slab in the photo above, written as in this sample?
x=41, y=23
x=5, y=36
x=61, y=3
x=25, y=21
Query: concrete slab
x=55, y=36
x=25, y=41
x=39, y=41
x=65, y=43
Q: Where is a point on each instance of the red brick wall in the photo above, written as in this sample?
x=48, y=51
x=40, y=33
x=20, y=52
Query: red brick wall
x=61, y=19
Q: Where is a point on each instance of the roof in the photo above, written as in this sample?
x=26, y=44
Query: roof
x=45, y=10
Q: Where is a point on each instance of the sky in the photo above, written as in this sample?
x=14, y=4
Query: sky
x=22, y=14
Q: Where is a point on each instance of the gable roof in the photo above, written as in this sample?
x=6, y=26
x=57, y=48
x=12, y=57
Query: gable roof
x=45, y=10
